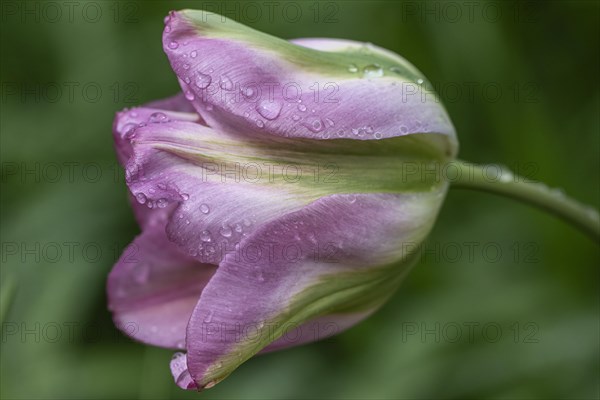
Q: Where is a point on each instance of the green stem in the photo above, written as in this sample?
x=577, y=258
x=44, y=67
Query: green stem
x=498, y=180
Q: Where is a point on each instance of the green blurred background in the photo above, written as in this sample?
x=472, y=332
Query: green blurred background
x=520, y=81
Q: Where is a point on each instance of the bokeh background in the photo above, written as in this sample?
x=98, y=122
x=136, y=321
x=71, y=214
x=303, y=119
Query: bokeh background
x=520, y=81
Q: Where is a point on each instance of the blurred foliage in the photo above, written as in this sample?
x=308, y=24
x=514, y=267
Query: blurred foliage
x=542, y=58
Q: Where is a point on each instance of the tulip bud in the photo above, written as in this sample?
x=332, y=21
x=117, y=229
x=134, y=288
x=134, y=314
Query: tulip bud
x=282, y=196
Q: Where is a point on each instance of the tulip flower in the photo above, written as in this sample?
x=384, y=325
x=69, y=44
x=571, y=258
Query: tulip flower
x=282, y=195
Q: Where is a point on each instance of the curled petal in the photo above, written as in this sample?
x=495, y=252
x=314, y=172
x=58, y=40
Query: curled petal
x=222, y=186
x=127, y=121
x=125, y=126
x=153, y=289
x=342, y=255
x=246, y=81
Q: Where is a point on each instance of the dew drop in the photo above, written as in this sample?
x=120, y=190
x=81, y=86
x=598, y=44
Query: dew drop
x=226, y=231
x=186, y=66
x=372, y=71
x=189, y=95
x=225, y=83
x=269, y=109
x=314, y=124
x=140, y=197
x=295, y=117
x=301, y=107
x=185, y=197
x=260, y=124
x=248, y=92
x=193, y=54
x=352, y=68
x=205, y=236
x=420, y=81
x=403, y=129
x=208, y=317
x=173, y=45
x=203, y=80
x=396, y=70
x=369, y=129
x=329, y=122
x=157, y=118
x=161, y=203
x=238, y=228
x=378, y=135
x=204, y=208
x=129, y=130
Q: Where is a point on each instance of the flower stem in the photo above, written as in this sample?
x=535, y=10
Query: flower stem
x=498, y=180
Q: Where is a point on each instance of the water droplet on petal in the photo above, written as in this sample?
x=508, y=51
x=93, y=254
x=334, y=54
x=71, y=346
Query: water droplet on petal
x=186, y=66
x=260, y=124
x=203, y=80
x=189, y=95
x=248, y=92
x=396, y=70
x=185, y=197
x=209, y=317
x=225, y=83
x=157, y=118
x=205, y=236
x=226, y=231
x=420, y=81
x=329, y=122
x=301, y=107
x=372, y=71
x=295, y=117
x=193, y=54
x=140, y=197
x=269, y=109
x=352, y=68
x=369, y=129
x=238, y=228
x=378, y=135
x=129, y=130
x=314, y=124
x=173, y=45
x=204, y=208
x=161, y=203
